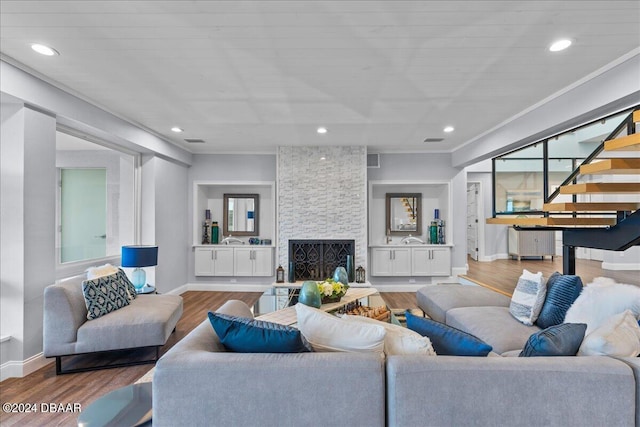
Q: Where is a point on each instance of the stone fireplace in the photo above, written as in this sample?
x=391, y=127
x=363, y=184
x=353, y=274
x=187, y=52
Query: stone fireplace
x=322, y=197
x=318, y=259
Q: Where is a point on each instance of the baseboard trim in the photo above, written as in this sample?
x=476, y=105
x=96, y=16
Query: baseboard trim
x=19, y=369
x=493, y=257
x=619, y=266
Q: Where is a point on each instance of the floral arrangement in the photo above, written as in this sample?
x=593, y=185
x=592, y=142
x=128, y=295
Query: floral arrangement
x=332, y=290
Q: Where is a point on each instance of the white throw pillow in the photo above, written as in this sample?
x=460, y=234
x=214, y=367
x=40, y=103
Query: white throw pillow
x=528, y=297
x=101, y=271
x=618, y=336
x=600, y=300
x=326, y=332
x=398, y=340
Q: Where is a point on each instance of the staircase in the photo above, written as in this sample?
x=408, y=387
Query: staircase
x=608, y=225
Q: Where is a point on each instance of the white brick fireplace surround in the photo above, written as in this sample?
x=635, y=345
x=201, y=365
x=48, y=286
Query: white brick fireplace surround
x=322, y=195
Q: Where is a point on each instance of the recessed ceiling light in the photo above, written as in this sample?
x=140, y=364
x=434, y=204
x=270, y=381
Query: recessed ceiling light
x=44, y=50
x=321, y=130
x=449, y=129
x=559, y=45
x=176, y=129
x=323, y=158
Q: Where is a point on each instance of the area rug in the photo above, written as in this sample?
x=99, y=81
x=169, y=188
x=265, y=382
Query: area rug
x=146, y=378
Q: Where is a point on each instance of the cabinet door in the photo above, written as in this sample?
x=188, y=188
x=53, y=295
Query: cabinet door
x=204, y=262
x=441, y=262
x=381, y=262
x=223, y=260
x=421, y=261
x=243, y=262
x=402, y=262
x=262, y=262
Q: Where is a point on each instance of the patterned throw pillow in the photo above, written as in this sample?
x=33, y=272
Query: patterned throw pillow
x=528, y=297
x=122, y=277
x=562, y=291
x=104, y=295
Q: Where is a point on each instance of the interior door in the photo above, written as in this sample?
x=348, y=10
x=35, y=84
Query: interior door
x=472, y=220
x=83, y=214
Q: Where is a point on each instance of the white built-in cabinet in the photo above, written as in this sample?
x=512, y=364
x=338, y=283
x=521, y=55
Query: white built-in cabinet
x=253, y=261
x=428, y=260
x=391, y=262
x=233, y=261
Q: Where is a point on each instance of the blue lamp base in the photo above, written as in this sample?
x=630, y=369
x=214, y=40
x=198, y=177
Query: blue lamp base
x=139, y=278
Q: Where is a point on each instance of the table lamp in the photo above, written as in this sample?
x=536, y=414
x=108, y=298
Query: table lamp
x=139, y=256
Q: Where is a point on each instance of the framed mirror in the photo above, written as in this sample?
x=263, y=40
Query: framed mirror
x=241, y=213
x=404, y=214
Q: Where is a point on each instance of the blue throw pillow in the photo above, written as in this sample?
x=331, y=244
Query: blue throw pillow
x=245, y=335
x=562, y=291
x=559, y=340
x=446, y=340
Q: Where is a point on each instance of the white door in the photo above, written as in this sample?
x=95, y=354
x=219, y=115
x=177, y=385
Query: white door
x=441, y=262
x=262, y=262
x=243, y=262
x=402, y=262
x=381, y=262
x=223, y=261
x=472, y=220
x=204, y=262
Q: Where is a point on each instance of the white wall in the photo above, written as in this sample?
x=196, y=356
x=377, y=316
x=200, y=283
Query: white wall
x=495, y=236
x=27, y=241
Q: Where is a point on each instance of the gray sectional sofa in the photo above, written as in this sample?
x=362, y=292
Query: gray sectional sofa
x=146, y=322
x=198, y=381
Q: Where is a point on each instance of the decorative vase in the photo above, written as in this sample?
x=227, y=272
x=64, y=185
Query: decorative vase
x=340, y=275
x=351, y=273
x=310, y=294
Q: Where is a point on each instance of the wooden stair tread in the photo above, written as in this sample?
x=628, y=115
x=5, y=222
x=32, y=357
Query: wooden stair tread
x=590, y=207
x=636, y=116
x=612, y=166
x=553, y=221
x=629, y=142
x=595, y=187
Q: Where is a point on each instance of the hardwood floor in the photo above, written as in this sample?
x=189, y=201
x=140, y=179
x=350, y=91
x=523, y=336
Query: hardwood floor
x=43, y=386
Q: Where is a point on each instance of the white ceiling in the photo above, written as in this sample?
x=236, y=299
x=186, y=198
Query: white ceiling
x=252, y=75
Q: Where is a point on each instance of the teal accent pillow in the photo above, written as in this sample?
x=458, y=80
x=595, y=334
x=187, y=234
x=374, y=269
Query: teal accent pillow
x=562, y=291
x=558, y=340
x=104, y=295
x=246, y=335
x=447, y=340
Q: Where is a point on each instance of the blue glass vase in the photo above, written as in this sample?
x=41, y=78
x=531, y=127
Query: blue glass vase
x=340, y=275
x=310, y=294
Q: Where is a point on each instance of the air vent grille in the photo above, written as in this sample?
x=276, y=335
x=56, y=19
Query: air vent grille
x=195, y=141
x=373, y=160
x=433, y=139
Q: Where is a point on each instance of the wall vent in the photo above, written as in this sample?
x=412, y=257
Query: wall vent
x=195, y=141
x=373, y=160
x=434, y=139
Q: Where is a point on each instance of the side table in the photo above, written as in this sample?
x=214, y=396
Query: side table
x=126, y=406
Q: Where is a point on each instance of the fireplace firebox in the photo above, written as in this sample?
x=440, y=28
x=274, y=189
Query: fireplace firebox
x=318, y=259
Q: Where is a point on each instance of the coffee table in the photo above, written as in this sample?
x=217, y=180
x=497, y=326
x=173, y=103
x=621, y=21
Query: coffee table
x=126, y=406
x=287, y=315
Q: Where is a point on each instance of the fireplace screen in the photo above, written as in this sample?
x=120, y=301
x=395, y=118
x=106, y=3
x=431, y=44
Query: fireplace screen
x=318, y=259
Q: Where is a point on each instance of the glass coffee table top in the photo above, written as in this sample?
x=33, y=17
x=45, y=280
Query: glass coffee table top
x=126, y=406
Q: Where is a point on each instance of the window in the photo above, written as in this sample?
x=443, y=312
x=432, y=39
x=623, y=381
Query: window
x=95, y=203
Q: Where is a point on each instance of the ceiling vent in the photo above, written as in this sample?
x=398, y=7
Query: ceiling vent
x=434, y=139
x=373, y=160
x=195, y=141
